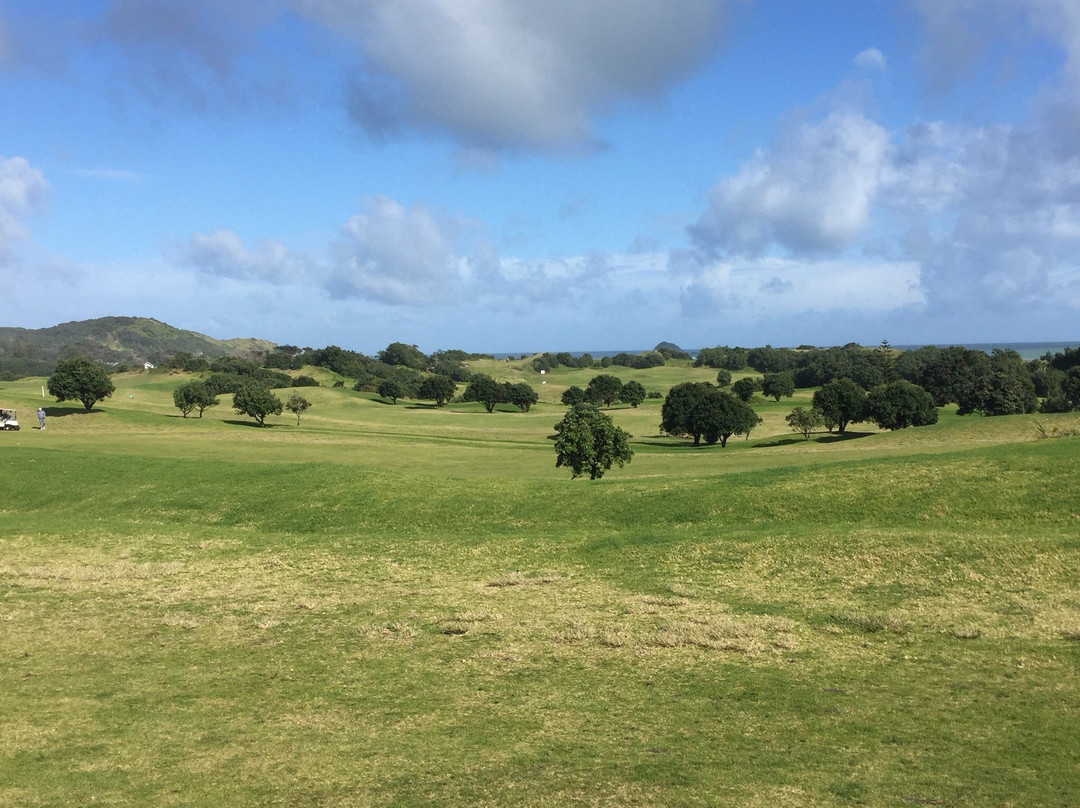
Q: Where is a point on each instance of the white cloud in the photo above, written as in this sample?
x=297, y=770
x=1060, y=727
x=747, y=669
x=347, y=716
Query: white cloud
x=871, y=59
x=393, y=254
x=497, y=73
x=23, y=192
x=222, y=254
x=812, y=192
x=763, y=288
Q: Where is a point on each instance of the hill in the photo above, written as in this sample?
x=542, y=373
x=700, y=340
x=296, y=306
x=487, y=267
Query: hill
x=119, y=340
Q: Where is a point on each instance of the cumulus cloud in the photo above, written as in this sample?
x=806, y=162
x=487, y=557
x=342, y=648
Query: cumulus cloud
x=870, y=59
x=957, y=34
x=812, y=192
x=222, y=254
x=203, y=54
x=499, y=73
x=492, y=74
x=749, y=290
x=393, y=254
x=23, y=192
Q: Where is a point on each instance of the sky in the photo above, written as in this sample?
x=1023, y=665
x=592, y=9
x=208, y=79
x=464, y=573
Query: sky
x=513, y=176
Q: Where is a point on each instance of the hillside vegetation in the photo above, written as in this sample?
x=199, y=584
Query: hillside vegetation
x=405, y=605
x=114, y=340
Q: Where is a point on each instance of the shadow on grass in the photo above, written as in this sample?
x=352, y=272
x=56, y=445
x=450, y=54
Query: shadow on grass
x=57, y=412
x=794, y=439
x=248, y=423
x=679, y=446
x=422, y=406
x=837, y=438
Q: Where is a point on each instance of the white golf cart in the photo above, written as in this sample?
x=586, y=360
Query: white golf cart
x=8, y=421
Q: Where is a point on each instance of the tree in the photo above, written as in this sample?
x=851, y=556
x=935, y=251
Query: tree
x=257, y=401
x=805, y=421
x=1004, y=388
x=885, y=359
x=901, y=404
x=633, y=393
x=297, y=405
x=520, y=394
x=389, y=388
x=437, y=388
x=182, y=399
x=81, y=380
x=723, y=377
x=589, y=442
x=194, y=395
x=484, y=389
x=840, y=403
x=603, y=389
x=746, y=387
x=573, y=395
x=778, y=384
x=398, y=353
x=1070, y=388
x=699, y=410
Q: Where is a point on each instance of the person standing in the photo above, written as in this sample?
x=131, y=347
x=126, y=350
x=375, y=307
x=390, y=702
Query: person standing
x=41, y=418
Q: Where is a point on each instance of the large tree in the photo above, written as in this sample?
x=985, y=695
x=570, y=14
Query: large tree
x=778, y=384
x=398, y=353
x=484, y=389
x=632, y=393
x=588, y=442
x=257, y=401
x=520, y=394
x=901, y=404
x=573, y=395
x=80, y=379
x=437, y=388
x=391, y=389
x=1004, y=388
x=745, y=387
x=603, y=389
x=194, y=395
x=699, y=410
x=840, y=402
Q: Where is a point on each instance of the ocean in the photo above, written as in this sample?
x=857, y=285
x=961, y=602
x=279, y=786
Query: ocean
x=1027, y=350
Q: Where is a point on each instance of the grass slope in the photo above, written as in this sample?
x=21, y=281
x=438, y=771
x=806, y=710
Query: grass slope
x=402, y=606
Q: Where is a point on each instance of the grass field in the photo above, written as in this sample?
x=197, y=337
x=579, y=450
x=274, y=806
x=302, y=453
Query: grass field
x=411, y=606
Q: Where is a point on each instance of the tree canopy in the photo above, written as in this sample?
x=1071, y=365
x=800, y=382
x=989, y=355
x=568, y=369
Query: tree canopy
x=296, y=405
x=603, y=389
x=699, y=410
x=632, y=393
x=778, y=384
x=804, y=420
x=520, y=394
x=588, y=442
x=391, y=389
x=484, y=389
x=80, y=379
x=194, y=395
x=257, y=401
x=437, y=388
x=900, y=404
x=840, y=402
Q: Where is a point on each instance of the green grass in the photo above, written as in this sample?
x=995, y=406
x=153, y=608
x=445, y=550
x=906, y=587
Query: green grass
x=399, y=606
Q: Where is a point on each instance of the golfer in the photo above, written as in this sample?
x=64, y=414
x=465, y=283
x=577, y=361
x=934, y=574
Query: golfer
x=41, y=418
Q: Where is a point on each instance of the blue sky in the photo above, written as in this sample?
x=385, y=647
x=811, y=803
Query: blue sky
x=505, y=175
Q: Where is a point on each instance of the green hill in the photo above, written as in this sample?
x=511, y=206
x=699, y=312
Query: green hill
x=119, y=340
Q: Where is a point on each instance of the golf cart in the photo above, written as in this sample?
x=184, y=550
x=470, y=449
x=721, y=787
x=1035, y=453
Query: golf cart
x=8, y=422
